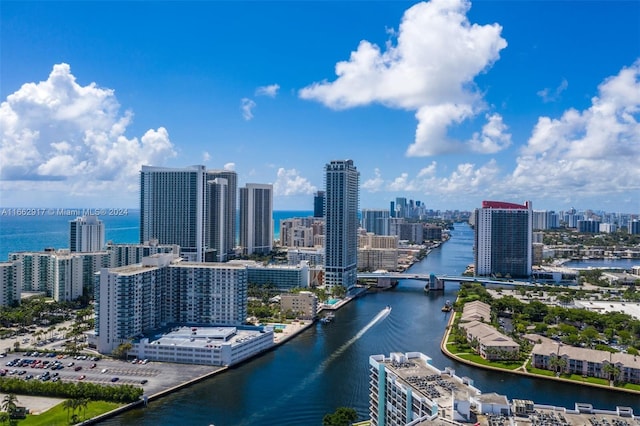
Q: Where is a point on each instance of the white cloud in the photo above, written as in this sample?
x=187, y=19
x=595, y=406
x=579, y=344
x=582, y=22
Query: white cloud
x=206, y=156
x=493, y=137
x=289, y=182
x=375, y=183
x=247, y=105
x=400, y=183
x=229, y=166
x=549, y=95
x=430, y=70
x=594, y=151
x=270, y=91
x=74, y=137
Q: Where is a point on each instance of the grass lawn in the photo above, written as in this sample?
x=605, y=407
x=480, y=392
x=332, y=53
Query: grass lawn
x=631, y=386
x=498, y=364
x=58, y=416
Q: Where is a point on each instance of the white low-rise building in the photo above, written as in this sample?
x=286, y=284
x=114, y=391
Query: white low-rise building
x=220, y=346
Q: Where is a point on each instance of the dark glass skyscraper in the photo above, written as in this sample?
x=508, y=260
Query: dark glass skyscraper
x=341, y=223
x=503, y=239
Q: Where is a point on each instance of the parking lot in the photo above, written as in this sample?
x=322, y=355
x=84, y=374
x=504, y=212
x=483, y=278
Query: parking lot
x=153, y=377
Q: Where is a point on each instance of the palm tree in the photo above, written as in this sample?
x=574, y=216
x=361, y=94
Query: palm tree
x=9, y=403
x=68, y=405
x=83, y=403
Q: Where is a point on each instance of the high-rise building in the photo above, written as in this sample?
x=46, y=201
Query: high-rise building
x=376, y=221
x=341, y=223
x=256, y=218
x=318, y=204
x=86, y=234
x=633, y=227
x=217, y=237
x=503, y=239
x=137, y=299
x=401, y=207
x=172, y=208
x=222, y=226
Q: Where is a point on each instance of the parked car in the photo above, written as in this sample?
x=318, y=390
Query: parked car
x=115, y=379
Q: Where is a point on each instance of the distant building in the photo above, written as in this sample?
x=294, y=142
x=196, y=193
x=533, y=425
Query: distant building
x=633, y=227
x=303, y=305
x=341, y=223
x=318, y=204
x=432, y=232
x=313, y=255
x=376, y=221
x=222, y=213
x=282, y=277
x=10, y=279
x=589, y=226
x=256, y=218
x=86, y=234
x=300, y=231
x=503, y=239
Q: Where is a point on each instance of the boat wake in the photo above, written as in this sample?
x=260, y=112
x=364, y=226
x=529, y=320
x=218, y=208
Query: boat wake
x=322, y=367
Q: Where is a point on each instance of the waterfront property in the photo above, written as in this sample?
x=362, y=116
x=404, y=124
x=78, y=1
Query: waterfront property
x=503, y=239
x=406, y=389
x=554, y=356
x=138, y=299
x=219, y=346
x=489, y=342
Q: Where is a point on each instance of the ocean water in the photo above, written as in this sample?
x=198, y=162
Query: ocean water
x=35, y=230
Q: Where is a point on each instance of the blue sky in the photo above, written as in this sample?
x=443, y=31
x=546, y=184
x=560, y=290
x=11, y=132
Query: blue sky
x=447, y=102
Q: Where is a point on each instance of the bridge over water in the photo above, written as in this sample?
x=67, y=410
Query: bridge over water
x=432, y=281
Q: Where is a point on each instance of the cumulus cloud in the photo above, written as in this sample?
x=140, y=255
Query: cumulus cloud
x=289, y=182
x=270, y=91
x=594, y=151
x=430, y=69
x=60, y=131
x=229, y=166
x=466, y=178
x=246, y=106
x=549, y=95
x=375, y=183
x=493, y=138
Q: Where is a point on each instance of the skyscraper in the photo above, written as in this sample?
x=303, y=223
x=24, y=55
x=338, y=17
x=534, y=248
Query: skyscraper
x=376, y=221
x=223, y=230
x=318, y=204
x=341, y=223
x=86, y=234
x=217, y=236
x=172, y=208
x=256, y=218
x=503, y=239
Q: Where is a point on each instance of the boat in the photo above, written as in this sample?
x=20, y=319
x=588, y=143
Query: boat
x=447, y=306
x=327, y=318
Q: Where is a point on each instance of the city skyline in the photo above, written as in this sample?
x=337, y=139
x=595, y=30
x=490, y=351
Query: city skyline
x=447, y=102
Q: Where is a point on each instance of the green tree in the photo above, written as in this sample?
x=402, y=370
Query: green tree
x=343, y=416
x=9, y=403
x=121, y=351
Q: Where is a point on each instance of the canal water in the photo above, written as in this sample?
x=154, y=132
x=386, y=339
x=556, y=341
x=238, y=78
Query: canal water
x=326, y=367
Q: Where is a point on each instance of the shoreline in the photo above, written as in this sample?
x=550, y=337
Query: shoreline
x=447, y=353
x=279, y=340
